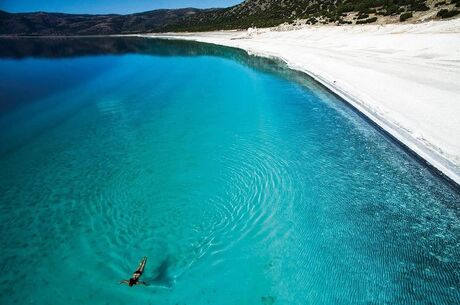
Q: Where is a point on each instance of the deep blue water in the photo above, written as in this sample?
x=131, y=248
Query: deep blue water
x=243, y=182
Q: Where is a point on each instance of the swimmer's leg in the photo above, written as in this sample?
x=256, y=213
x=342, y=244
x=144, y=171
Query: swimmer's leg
x=142, y=264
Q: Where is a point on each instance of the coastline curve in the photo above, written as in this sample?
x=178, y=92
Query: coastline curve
x=428, y=156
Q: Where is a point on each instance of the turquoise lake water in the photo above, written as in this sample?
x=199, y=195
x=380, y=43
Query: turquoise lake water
x=243, y=183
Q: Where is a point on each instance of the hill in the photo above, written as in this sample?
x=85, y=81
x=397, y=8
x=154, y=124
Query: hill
x=42, y=23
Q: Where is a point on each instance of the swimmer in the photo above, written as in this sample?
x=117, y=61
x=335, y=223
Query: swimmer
x=134, y=280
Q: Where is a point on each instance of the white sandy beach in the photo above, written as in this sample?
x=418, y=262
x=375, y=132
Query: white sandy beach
x=404, y=77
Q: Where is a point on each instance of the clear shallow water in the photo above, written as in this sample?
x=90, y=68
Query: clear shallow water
x=242, y=182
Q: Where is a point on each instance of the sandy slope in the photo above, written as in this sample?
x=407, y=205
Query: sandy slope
x=405, y=77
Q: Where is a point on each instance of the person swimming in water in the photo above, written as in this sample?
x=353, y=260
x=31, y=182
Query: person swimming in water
x=134, y=280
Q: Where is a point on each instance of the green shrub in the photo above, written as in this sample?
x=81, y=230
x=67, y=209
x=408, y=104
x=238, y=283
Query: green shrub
x=403, y=17
x=345, y=8
x=341, y=21
x=447, y=14
x=377, y=3
x=420, y=7
x=363, y=16
x=361, y=7
x=391, y=10
x=442, y=13
x=369, y=20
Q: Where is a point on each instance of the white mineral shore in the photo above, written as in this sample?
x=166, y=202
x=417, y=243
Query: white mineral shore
x=404, y=77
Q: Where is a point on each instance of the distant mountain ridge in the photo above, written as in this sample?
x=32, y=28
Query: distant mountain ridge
x=260, y=13
x=41, y=23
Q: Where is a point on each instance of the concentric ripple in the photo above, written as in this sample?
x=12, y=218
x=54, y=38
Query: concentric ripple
x=242, y=182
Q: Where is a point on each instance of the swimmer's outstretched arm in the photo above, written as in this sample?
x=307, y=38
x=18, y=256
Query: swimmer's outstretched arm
x=143, y=283
x=124, y=282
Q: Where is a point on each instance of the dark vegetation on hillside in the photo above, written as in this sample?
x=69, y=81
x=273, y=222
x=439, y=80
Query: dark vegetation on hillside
x=447, y=14
x=404, y=16
x=259, y=13
x=265, y=13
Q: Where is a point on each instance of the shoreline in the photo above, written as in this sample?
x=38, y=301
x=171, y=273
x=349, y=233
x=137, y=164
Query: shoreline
x=298, y=49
